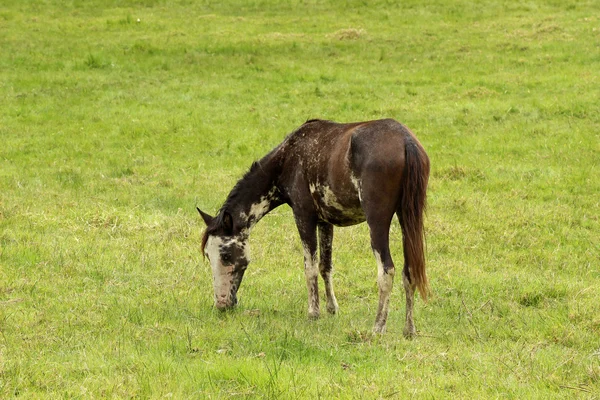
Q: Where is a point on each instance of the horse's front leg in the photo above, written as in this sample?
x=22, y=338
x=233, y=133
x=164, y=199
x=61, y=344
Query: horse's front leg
x=325, y=264
x=307, y=227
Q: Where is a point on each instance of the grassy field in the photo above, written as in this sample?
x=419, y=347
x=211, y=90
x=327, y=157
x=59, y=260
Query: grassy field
x=117, y=118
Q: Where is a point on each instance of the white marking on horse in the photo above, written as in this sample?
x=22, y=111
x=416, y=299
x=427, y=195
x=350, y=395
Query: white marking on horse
x=259, y=209
x=311, y=264
x=384, y=279
x=221, y=272
x=326, y=270
x=330, y=199
x=385, y=282
x=326, y=195
x=311, y=271
x=357, y=185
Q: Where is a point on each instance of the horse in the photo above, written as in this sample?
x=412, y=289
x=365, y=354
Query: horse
x=330, y=174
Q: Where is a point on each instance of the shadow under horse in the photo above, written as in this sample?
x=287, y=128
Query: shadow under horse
x=330, y=174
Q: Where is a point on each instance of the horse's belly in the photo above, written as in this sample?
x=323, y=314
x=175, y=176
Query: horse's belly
x=341, y=209
x=345, y=217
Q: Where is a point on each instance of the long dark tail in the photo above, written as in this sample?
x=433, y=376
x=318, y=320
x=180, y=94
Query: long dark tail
x=412, y=206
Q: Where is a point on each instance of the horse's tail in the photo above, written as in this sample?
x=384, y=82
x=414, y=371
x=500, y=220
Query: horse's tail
x=412, y=206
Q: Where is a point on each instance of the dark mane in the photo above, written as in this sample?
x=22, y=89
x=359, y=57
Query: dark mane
x=309, y=121
x=245, y=186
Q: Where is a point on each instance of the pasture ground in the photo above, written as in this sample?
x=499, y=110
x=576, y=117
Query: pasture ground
x=118, y=118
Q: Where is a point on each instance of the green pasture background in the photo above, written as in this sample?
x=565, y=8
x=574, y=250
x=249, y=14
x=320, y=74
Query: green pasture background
x=117, y=118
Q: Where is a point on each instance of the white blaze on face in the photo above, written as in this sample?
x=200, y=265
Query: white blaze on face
x=221, y=274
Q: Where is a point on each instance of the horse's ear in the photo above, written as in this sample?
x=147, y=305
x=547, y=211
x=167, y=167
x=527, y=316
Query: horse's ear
x=207, y=218
x=227, y=223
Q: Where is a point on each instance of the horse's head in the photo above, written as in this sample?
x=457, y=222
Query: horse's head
x=227, y=251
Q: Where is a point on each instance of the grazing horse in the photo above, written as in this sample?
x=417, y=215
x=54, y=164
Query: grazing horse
x=330, y=174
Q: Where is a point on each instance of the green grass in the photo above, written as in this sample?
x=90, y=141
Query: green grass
x=117, y=118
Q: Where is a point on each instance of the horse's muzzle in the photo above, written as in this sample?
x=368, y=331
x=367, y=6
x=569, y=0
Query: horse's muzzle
x=223, y=303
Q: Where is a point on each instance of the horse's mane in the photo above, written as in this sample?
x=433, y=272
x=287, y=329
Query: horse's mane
x=244, y=185
x=308, y=121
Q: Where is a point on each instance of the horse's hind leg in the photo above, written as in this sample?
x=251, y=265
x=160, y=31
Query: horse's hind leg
x=379, y=209
x=385, y=275
x=325, y=265
x=409, y=288
x=379, y=225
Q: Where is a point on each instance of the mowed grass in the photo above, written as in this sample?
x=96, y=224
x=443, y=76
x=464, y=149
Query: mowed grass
x=118, y=118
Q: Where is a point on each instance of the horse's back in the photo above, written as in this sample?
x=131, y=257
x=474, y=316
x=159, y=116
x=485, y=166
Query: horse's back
x=340, y=163
x=336, y=152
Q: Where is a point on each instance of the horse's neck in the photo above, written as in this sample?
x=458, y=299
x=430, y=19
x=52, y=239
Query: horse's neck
x=255, y=194
x=258, y=208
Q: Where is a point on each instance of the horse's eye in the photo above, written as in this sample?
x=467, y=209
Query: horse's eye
x=226, y=257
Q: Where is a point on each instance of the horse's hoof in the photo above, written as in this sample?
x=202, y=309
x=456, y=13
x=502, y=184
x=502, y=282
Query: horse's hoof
x=410, y=333
x=379, y=329
x=333, y=309
x=313, y=315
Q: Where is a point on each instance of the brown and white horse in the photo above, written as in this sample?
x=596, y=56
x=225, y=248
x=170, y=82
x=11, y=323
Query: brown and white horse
x=330, y=174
